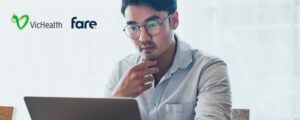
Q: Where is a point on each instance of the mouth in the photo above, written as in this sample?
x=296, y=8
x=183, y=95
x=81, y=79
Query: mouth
x=147, y=49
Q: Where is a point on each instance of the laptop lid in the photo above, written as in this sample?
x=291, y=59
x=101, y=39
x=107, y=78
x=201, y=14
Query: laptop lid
x=59, y=108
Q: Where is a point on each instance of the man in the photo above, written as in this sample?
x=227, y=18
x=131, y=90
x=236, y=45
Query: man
x=169, y=79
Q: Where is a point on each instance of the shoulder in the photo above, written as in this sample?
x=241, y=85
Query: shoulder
x=127, y=62
x=207, y=63
x=196, y=58
x=205, y=59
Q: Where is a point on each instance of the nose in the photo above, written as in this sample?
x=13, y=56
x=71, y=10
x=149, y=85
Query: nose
x=144, y=35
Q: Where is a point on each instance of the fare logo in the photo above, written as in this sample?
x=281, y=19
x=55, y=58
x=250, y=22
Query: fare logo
x=83, y=24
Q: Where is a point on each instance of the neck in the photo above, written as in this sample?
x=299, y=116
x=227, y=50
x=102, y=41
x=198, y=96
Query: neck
x=165, y=61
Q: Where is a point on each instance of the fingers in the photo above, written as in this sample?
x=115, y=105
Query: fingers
x=146, y=80
x=144, y=65
x=147, y=71
x=140, y=70
x=143, y=88
x=143, y=85
x=136, y=80
x=146, y=87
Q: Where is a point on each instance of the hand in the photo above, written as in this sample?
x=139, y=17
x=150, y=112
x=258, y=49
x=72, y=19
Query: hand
x=136, y=80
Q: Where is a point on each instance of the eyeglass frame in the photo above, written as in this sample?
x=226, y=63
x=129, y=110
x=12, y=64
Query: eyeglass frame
x=160, y=23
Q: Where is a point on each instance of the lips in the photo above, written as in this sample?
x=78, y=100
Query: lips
x=147, y=49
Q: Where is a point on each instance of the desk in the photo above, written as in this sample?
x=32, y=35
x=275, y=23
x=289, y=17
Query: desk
x=6, y=113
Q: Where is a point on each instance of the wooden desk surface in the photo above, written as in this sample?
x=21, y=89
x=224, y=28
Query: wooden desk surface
x=6, y=113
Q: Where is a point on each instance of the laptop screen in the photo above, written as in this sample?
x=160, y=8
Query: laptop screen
x=58, y=108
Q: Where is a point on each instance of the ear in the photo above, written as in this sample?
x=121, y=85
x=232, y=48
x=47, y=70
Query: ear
x=175, y=20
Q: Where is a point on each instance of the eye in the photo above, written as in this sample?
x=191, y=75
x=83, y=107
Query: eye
x=133, y=27
x=152, y=24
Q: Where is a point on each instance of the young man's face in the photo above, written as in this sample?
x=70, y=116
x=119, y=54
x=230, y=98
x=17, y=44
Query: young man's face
x=153, y=43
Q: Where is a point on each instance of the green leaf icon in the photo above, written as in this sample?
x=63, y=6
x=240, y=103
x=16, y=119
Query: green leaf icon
x=17, y=20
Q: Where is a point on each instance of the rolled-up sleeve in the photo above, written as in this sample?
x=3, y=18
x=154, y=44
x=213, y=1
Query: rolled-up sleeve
x=214, y=94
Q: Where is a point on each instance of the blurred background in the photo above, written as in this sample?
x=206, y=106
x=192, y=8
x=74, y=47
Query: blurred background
x=258, y=39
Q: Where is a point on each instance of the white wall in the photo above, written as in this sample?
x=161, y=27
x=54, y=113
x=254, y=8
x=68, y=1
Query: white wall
x=259, y=39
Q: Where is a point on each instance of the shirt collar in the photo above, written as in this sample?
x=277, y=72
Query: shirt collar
x=183, y=56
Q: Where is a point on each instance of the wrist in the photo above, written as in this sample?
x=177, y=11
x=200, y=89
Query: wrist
x=117, y=94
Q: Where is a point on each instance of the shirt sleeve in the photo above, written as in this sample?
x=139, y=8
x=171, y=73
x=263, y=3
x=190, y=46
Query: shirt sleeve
x=112, y=82
x=214, y=94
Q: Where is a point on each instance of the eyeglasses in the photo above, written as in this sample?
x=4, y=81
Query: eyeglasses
x=153, y=27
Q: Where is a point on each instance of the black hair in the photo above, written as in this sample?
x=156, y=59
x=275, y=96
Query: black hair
x=169, y=6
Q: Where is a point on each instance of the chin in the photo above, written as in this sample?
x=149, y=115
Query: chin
x=148, y=56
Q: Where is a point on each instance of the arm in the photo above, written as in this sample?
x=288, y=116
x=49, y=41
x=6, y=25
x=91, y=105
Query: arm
x=214, y=95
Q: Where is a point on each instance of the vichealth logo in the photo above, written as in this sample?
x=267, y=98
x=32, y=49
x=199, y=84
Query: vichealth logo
x=20, y=21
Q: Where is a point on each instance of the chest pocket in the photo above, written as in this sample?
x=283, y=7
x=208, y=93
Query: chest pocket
x=182, y=111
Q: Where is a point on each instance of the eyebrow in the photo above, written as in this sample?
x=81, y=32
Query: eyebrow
x=154, y=17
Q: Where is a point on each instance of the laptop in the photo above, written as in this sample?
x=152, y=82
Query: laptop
x=60, y=108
